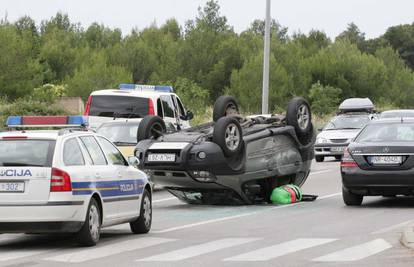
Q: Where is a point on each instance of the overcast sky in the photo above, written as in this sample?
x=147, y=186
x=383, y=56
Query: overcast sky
x=332, y=16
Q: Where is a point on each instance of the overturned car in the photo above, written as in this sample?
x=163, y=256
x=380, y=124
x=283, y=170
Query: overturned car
x=233, y=159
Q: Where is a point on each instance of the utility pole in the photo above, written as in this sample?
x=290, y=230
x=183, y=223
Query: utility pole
x=266, y=54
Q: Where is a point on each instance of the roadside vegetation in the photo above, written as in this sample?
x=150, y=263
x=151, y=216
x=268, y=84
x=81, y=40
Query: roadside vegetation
x=202, y=59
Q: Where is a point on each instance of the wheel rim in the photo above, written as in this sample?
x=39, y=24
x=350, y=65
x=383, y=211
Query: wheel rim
x=231, y=109
x=232, y=137
x=303, y=117
x=147, y=211
x=94, y=222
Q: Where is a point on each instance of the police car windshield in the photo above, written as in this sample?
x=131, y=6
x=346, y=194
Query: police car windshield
x=119, y=106
x=120, y=134
x=344, y=122
x=393, y=132
x=36, y=153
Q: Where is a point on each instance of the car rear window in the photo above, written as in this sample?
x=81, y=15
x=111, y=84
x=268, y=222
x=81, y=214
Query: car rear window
x=26, y=152
x=401, y=132
x=119, y=106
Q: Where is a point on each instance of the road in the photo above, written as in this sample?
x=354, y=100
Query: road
x=320, y=233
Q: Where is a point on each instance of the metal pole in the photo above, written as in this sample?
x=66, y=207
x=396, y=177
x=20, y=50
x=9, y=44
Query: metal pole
x=266, y=54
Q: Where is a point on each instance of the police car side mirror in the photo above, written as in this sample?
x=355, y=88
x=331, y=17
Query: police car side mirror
x=189, y=115
x=133, y=161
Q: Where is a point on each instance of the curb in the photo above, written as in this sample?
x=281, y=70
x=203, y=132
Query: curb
x=407, y=237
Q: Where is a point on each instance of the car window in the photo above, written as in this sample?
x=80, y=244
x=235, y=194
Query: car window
x=26, y=152
x=159, y=108
x=112, y=153
x=168, y=106
x=119, y=106
x=72, y=154
x=120, y=133
x=86, y=154
x=94, y=150
x=180, y=106
x=387, y=133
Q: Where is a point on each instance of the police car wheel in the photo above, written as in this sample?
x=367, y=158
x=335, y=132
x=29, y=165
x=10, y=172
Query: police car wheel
x=91, y=230
x=142, y=225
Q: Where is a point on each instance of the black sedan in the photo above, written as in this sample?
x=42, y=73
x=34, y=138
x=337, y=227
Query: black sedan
x=380, y=161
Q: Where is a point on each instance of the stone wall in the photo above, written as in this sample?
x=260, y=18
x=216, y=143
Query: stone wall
x=73, y=105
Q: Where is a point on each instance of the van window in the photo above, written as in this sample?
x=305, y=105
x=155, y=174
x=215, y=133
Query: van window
x=159, y=108
x=72, y=154
x=94, y=150
x=119, y=106
x=168, y=106
x=180, y=106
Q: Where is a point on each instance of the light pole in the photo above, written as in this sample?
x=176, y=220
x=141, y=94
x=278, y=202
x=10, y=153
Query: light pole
x=266, y=54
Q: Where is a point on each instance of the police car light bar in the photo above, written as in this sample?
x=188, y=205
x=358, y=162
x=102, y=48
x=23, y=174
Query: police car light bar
x=46, y=121
x=141, y=87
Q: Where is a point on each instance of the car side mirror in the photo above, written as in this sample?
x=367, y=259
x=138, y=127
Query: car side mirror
x=133, y=161
x=320, y=129
x=189, y=115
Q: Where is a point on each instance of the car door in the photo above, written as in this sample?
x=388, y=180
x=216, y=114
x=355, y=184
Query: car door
x=130, y=186
x=104, y=178
x=170, y=114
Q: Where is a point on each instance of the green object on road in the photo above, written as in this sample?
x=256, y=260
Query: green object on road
x=286, y=194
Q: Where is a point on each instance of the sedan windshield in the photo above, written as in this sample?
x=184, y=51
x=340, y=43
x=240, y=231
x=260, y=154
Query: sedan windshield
x=401, y=132
x=347, y=122
x=120, y=134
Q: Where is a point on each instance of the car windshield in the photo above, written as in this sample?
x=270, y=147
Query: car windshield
x=120, y=134
x=401, y=132
x=38, y=153
x=347, y=122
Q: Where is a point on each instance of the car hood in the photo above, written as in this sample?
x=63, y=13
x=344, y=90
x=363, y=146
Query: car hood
x=339, y=134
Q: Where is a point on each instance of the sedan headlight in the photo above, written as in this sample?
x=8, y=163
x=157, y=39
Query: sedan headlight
x=321, y=140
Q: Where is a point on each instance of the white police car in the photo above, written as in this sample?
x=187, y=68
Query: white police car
x=68, y=180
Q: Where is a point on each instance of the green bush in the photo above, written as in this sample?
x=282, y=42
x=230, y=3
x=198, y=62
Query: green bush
x=324, y=99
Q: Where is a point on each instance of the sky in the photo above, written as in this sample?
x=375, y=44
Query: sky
x=372, y=17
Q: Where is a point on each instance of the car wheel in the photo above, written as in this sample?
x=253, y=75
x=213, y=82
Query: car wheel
x=351, y=199
x=299, y=116
x=319, y=158
x=225, y=106
x=91, y=230
x=142, y=224
x=151, y=127
x=228, y=135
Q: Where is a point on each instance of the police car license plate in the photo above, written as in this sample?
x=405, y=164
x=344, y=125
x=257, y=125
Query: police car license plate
x=338, y=149
x=11, y=187
x=386, y=160
x=161, y=157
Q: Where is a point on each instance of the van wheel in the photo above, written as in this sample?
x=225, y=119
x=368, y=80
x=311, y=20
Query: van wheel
x=91, y=230
x=142, y=225
x=351, y=199
x=228, y=135
x=151, y=127
x=225, y=106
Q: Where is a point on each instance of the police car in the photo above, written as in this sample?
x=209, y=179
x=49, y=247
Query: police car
x=69, y=180
x=137, y=101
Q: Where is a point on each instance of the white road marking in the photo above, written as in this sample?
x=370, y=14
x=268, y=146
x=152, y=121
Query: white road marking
x=164, y=199
x=185, y=226
x=193, y=251
x=268, y=253
x=331, y=195
x=320, y=172
x=109, y=250
x=6, y=255
x=357, y=252
x=390, y=228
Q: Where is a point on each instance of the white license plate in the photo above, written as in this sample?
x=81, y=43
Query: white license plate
x=161, y=157
x=386, y=160
x=11, y=187
x=338, y=149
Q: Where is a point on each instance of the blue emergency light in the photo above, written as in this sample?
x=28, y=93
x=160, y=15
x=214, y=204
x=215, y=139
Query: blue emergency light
x=142, y=87
x=46, y=121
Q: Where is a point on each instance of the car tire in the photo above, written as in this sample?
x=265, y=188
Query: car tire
x=319, y=158
x=224, y=106
x=142, y=224
x=299, y=116
x=151, y=127
x=351, y=199
x=91, y=230
x=228, y=136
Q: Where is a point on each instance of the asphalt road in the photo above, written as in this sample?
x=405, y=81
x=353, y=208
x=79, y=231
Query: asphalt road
x=320, y=233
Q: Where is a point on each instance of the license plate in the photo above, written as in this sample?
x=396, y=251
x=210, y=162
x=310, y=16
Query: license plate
x=161, y=157
x=338, y=149
x=386, y=160
x=11, y=187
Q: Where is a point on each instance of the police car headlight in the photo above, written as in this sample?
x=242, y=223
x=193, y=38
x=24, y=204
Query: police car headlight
x=321, y=140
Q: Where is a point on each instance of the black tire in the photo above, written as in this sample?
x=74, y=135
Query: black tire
x=299, y=116
x=224, y=106
x=151, y=127
x=89, y=235
x=351, y=199
x=142, y=224
x=222, y=134
x=319, y=158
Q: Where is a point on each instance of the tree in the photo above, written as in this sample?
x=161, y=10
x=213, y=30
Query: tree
x=324, y=99
x=401, y=39
x=354, y=35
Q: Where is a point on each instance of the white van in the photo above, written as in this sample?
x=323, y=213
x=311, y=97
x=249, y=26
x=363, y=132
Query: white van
x=137, y=101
